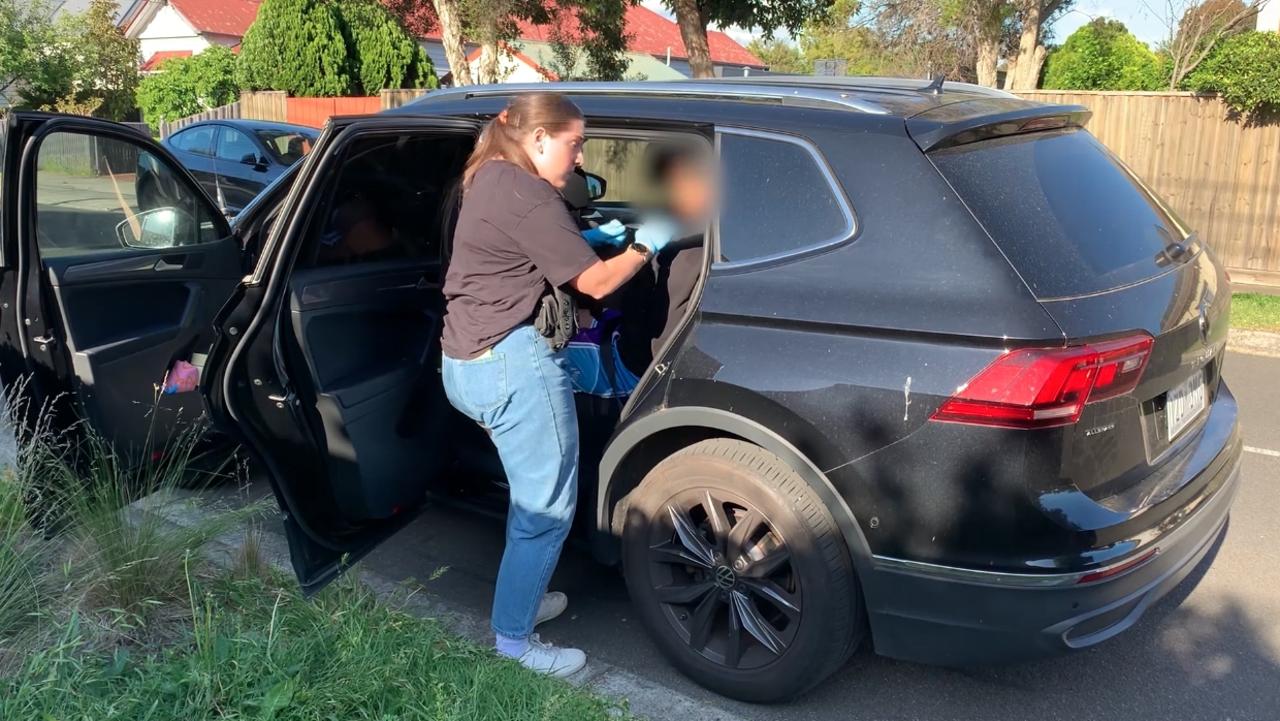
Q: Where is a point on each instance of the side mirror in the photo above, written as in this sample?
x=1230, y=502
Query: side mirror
x=596, y=186
x=156, y=229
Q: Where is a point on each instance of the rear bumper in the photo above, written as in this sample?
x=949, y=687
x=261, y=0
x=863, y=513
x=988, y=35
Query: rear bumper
x=949, y=616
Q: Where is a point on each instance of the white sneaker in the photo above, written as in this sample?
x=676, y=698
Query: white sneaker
x=545, y=658
x=552, y=605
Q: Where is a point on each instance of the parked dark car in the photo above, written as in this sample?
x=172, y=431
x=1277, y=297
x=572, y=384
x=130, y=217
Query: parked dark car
x=235, y=159
x=950, y=382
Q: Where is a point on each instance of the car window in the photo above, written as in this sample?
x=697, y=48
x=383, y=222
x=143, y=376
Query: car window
x=105, y=194
x=286, y=147
x=198, y=140
x=777, y=199
x=235, y=146
x=1066, y=213
x=385, y=200
x=623, y=163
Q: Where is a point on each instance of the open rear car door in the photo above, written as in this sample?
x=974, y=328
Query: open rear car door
x=327, y=358
x=114, y=264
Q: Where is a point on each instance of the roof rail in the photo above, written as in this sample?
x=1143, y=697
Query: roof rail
x=833, y=97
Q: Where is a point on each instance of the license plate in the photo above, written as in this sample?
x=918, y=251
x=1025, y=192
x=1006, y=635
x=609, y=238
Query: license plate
x=1184, y=402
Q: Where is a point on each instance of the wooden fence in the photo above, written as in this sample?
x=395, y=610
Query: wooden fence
x=1221, y=175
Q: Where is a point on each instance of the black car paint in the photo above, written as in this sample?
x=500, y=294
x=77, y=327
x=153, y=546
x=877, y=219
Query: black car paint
x=854, y=362
x=234, y=183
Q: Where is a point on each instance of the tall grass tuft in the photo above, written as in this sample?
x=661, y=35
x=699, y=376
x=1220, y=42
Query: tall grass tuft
x=123, y=564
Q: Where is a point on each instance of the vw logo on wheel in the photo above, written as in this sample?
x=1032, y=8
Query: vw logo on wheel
x=725, y=577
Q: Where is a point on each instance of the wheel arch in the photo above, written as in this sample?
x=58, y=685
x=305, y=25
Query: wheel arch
x=642, y=444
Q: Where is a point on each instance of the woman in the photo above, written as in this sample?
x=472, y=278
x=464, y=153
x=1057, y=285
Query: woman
x=515, y=239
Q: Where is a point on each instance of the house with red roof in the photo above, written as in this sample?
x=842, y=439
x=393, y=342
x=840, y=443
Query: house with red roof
x=178, y=28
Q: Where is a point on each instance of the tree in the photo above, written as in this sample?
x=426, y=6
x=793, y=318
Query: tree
x=594, y=27
x=925, y=38
x=1032, y=17
x=1196, y=27
x=36, y=61
x=839, y=34
x=186, y=86
x=766, y=16
x=108, y=62
x=297, y=46
x=418, y=16
x=450, y=15
x=1103, y=55
x=1245, y=70
x=780, y=56
x=383, y=54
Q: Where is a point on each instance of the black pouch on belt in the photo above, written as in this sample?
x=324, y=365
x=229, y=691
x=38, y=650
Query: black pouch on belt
x=557, y=318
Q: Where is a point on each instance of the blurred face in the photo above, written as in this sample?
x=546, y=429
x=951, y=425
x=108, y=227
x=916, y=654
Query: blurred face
x=690, y=191
x=556, y=155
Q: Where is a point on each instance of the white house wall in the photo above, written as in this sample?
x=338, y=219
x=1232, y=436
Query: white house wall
x=169, y=31
x=1269, y=16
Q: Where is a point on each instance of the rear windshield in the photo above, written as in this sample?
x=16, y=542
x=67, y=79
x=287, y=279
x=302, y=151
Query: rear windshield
x=1066, y=213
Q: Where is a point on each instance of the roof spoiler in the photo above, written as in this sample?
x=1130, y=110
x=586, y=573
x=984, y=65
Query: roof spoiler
x=969, y=121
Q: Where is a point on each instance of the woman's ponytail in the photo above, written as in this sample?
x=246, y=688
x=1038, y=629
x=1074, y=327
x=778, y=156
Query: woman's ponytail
x=504, y=135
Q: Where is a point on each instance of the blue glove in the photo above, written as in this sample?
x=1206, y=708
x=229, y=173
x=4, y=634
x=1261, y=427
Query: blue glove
x=657, y=234
x=610, y=235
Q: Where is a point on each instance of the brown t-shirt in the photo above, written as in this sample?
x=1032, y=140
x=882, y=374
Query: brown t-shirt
x=514, y=236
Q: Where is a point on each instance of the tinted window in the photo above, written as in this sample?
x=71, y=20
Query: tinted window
x=235, y=146
x=286, y=147
x=386, y=200
x=105, y=194
x=1069, y=217
x=776, y=199
x=195, y=140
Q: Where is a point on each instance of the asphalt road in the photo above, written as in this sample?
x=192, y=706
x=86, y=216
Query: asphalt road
x=1210, y=650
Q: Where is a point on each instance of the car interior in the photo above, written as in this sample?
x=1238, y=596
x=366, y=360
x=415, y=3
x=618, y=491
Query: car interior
x=360, y=337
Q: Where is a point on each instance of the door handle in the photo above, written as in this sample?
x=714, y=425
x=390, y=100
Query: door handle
x=163, y=265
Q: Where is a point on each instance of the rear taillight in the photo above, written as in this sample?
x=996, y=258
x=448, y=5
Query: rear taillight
x=1047, y=387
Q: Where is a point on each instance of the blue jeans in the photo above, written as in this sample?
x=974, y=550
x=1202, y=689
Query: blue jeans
x=521, y=392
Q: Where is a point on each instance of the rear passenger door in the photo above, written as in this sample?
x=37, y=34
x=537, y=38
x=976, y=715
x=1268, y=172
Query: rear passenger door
x=328, y=359
x=115, y=263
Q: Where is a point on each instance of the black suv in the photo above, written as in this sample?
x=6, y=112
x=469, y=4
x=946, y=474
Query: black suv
x=949, y=383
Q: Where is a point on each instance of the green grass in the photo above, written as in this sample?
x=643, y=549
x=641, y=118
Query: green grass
x=117, y=617
x=259, y=651
x=1254, y=311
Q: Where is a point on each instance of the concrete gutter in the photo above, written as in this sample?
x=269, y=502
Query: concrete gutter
x=1254, y=342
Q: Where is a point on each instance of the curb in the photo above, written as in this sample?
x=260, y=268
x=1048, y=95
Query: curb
x=1254, y=342
x=641, y=697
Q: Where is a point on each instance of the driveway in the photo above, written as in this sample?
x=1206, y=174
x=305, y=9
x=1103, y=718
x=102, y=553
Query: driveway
x=1211, y=650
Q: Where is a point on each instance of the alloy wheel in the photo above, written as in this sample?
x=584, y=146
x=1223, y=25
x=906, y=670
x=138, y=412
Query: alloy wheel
x=725, y=579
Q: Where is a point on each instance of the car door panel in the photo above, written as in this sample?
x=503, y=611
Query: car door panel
x=372, y=337
x=103, y=322
x=317, y=369
x=126, y=321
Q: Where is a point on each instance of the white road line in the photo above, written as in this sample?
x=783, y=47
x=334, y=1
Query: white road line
x=1262, y=451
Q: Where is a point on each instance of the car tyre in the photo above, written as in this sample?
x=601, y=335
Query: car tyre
x=739, y=572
